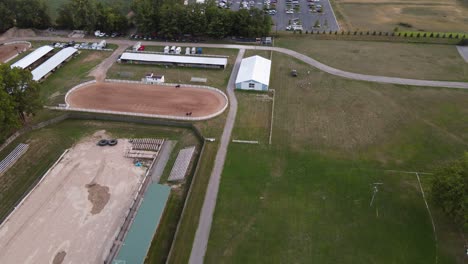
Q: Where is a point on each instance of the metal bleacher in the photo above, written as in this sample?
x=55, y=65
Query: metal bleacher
x=10, y=160
x=179, y=170
x=144, y=148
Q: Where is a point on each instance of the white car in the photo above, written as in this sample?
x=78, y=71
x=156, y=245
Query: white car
x=290, y=11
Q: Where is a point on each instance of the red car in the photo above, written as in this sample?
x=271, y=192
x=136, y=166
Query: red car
x=141, y=48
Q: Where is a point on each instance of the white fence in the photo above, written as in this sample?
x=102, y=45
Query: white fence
x=183, y=118
x=76, y=88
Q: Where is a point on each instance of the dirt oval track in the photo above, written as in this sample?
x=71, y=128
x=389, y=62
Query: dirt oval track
x=147, y=99
x=10, y=50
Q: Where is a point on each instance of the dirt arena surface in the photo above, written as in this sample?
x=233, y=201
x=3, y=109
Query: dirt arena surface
x=147, y=99
x=73, y=215
x=8, y=51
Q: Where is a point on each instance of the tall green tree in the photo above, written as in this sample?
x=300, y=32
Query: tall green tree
x=31, y=13
x=450, y=190
x=8, y=114
x=23, y=91
x=7, y=15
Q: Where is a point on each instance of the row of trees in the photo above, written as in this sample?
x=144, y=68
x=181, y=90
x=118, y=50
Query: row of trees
x=19, y=97
x=172, y=19
x=24, y=14
x=90, y=15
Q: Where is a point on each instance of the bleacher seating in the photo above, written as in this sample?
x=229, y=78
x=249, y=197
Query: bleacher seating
x=144, y=148
x=9, y=160
x=179, y=170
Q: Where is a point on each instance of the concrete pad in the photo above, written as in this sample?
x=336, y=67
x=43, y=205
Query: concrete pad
x=73, y=215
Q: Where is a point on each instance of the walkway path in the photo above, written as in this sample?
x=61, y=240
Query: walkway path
x=206, y=217
x=100, y=71
x=355, y=76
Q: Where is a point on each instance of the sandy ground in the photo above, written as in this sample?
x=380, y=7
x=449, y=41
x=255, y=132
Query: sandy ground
x=147, y=99
x=8, y=51
x=76, y=211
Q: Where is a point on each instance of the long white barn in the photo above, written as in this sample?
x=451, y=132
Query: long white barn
x=52, y=63
x=190, y=61
x=32, y=57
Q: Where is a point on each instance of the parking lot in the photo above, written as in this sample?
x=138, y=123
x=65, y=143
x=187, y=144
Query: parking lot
x=290, y=14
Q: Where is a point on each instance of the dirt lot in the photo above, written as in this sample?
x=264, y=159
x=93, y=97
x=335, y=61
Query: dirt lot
x=8, y=51
x=73, y=215
x=147, y=99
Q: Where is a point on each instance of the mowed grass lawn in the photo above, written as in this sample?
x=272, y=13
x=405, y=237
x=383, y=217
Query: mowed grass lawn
x=428, y=15
x=306, y=198
x=215, y=77
x=406, y=60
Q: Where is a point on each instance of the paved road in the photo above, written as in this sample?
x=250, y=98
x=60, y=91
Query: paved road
x=304, y=58
x=206, y=217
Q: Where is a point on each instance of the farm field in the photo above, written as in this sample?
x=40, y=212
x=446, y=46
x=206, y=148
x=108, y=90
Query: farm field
x=307, y=197
x=217, y=78
x=406, y=60
x=385, y=15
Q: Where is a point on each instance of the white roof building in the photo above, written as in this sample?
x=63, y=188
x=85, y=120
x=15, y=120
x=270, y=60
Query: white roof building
x=254, y=74
x=193, y=61
x=32, y=57
x=51, y=64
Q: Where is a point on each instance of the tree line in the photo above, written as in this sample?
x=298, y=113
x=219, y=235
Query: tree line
x=23, y=14
x=19, y=97
x=164, y=18
x=169, y=20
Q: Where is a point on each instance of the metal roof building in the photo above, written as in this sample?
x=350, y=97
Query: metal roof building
x=191, y=61
x=32, y=57
x=254, y=74
x=51, y=64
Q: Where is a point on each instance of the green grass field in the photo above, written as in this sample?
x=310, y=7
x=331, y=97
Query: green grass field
x=417, y=61
x=306, y=198
x=428, y=15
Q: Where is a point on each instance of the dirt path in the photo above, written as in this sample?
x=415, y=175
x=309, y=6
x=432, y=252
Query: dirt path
x=202, y=235
x=100, y=71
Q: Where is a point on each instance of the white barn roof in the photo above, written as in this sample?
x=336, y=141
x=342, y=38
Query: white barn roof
x=52, y=63
x=174, y=59
x=32, y=57
x=254, y=68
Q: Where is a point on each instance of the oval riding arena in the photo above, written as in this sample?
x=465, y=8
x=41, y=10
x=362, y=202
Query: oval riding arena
x=148, y=99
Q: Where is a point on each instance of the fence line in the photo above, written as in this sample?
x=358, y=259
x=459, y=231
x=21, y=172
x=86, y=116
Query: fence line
x=184, y=118
x=76, y=88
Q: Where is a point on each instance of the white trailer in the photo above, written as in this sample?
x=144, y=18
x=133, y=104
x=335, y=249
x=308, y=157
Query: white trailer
x=187, y=51
x=178, y=50
x=166, y=49
x=136, y=46
x=194, y=50
x=173, y=49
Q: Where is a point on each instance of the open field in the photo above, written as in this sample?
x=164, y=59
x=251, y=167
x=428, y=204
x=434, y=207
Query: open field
x=307, y=197
x=215, y=77
x=84, y=197
x=407, y=60
x=9, y=51
x=427, y=15
x=148, y=99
